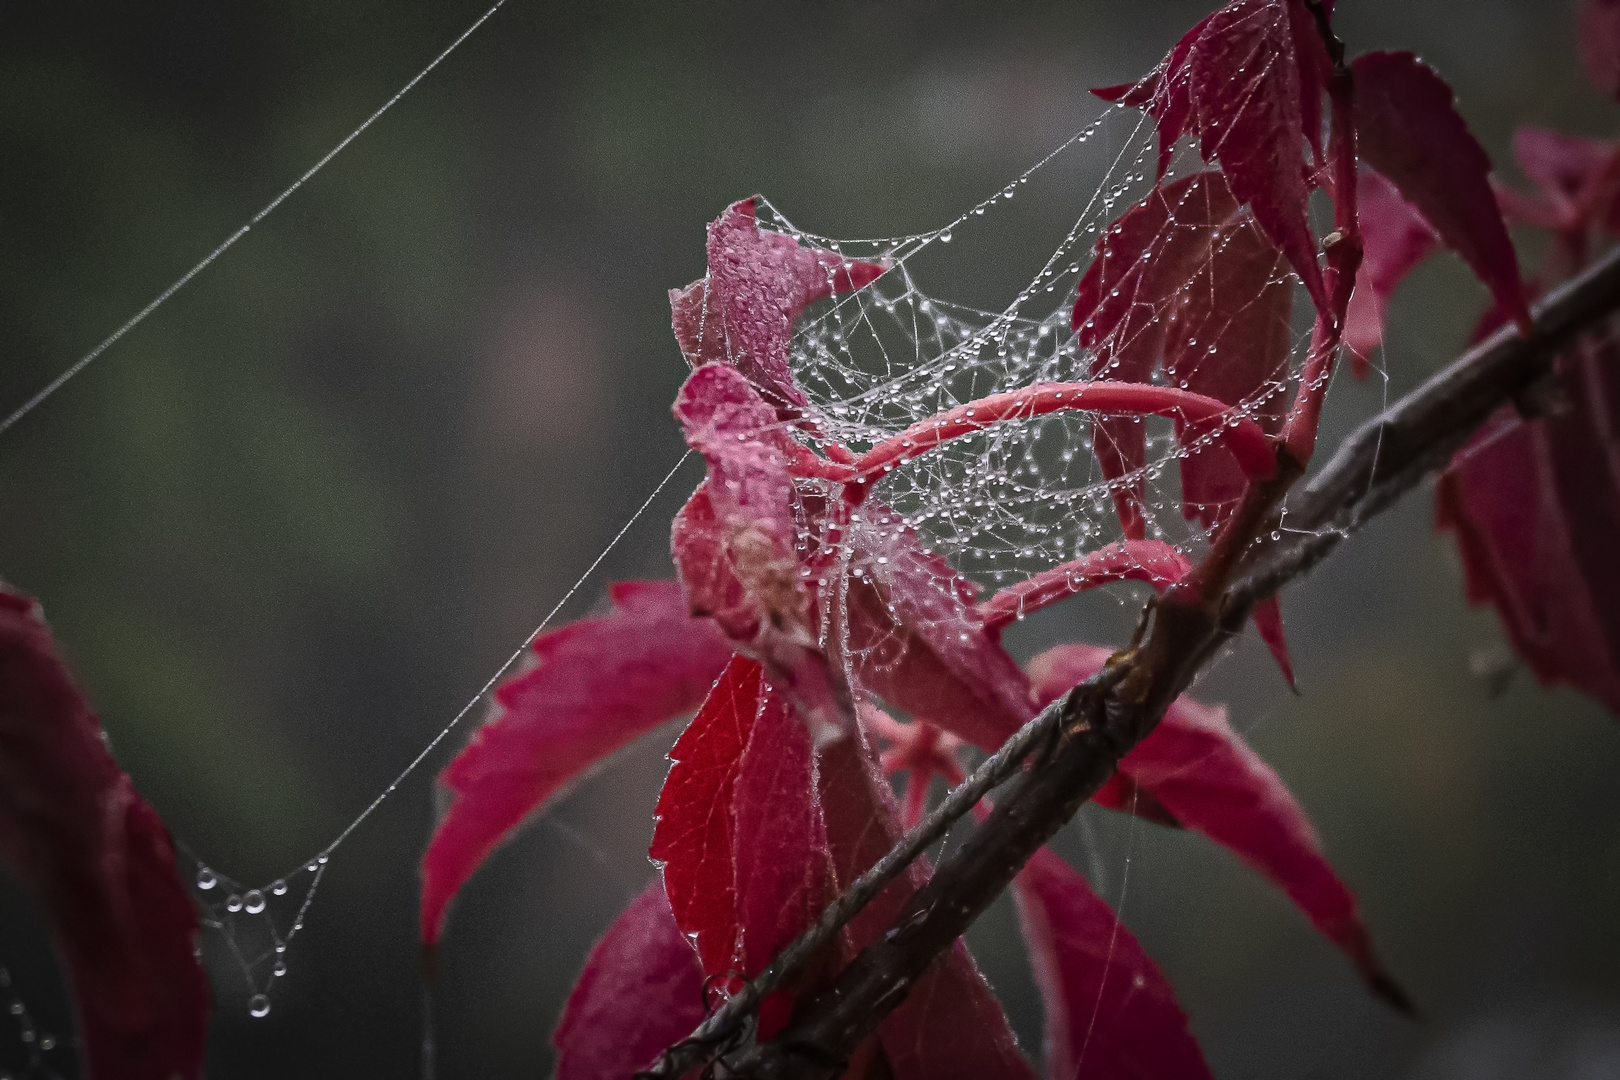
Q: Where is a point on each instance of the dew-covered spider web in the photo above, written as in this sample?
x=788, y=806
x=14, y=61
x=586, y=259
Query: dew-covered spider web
x=1025, y=495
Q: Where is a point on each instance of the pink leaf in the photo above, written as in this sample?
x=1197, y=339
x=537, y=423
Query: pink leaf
x=693, y=837
x=641, y=992
x=950, y=1027
x=1209, y=779
x=1408, y=128
x=1395, y=238
x=1110, y=1012
x=102, y=865
x=595, y=686
x=745, y=534
x=1248, y=82
x=1567, y=169
x=1600, y=43
x=758, y=285
x=1536, y=507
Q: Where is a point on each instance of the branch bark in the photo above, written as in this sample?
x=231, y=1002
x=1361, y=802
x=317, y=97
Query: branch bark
x=1082, y=741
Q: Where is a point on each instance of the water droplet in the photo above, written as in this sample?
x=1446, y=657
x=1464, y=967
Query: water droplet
x=258, y=1006
x=280, y=969
x=253, y=902
x=47, y=1042
x=206, y=879
x=279, y=888
x=233, y=903
x=945, y=237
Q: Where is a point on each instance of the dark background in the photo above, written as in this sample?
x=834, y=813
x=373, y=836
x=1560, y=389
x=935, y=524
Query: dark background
x=289, y=525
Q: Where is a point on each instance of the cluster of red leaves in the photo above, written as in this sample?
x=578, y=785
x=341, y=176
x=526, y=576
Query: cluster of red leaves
x=1534, y=501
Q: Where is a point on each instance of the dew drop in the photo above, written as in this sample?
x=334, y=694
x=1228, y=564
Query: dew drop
x=206, y=879
x=233, y=903
x=280, y=969
x=945, y=237
x=279, y=888
x=258, y=1006
x=47, y=1042
x=253, y=902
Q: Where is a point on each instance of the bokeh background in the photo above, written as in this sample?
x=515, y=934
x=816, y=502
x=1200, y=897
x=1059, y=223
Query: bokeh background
x=289, y=525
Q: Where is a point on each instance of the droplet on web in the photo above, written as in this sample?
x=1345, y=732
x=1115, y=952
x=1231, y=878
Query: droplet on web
x=233, y=903
x=258, y=1006
x=279, y=888
x=206, y=878
x=253, y=902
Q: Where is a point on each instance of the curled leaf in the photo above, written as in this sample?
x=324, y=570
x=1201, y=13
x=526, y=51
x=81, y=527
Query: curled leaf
x=641, y=992
x=595, y=686
x=758, y=285
x=101, y=864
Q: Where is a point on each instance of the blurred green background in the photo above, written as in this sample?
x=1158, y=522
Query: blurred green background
x=289, y=525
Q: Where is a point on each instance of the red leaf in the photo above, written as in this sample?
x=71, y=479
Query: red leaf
x=1395, y=238
x=1209, y=779
x=1267, y=616
x=1248, y=82
x=595, y=686
x=641, y=992
x=1536, y=507
x=1110, y=1012
x=780, y=846
x=758, y=285
x=1188, y=280
x=1408, y=128
x=914, y=638
x=739, y=833
x=1600, y=43
x=693, y=837
x=102, y=865
x=950, y=1027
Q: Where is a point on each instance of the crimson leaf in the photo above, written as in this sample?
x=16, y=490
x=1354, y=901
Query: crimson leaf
x=1109, y=1009
x=1536, y=507
x=1408, y=128
x=596, y=685
x=641, y=991
x=1248, y=82
x=950, y=1025
x=1209, y=779
x=102, y=865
